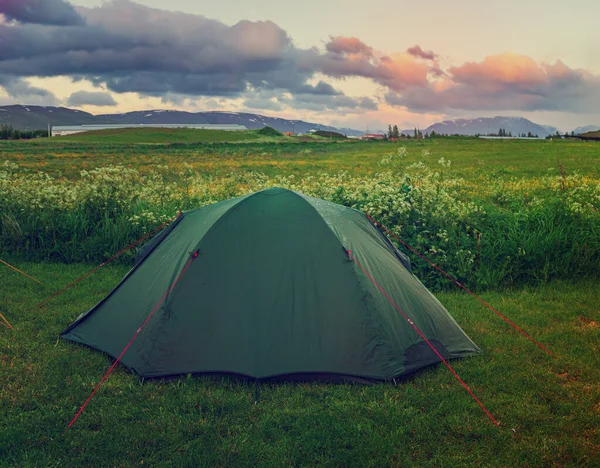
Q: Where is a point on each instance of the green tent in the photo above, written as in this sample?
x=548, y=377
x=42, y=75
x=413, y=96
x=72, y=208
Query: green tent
x=272, y=294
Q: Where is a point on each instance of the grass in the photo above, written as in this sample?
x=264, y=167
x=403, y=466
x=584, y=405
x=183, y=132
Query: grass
x=549, y=408
x=155, y=135
x=470, y=157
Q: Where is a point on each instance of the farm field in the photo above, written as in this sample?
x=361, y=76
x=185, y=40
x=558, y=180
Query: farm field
x=221, y=153
x=517, y=221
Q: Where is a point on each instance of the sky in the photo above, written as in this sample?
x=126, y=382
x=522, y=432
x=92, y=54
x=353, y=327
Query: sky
x=346, y=63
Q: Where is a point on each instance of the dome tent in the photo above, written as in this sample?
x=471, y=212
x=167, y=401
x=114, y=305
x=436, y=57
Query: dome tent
x=272, y=292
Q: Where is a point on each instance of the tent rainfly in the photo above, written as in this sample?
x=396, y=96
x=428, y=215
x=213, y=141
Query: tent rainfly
x=267, y=286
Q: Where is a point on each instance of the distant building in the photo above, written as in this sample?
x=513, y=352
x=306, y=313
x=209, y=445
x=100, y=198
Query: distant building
x=373, y=136
x=72, y=129
x=494, y=137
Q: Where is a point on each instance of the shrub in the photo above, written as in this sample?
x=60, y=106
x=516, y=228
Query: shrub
x=269, y=131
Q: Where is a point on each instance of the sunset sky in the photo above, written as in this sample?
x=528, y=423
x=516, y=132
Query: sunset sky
x=346, y=63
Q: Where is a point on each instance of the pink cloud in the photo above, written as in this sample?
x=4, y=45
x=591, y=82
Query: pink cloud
x=348, y=45
x=497, y=71
x=506, y=82
x=348, y=56
x=417, y=52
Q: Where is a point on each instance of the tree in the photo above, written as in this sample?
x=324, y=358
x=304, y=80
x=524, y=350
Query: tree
x=395, y=132
x=7, y=132
x=390, y=132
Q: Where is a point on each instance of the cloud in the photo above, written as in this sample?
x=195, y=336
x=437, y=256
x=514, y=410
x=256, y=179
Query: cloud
x=20, y=89
x=349, y=57
x=332, y=102
x=134, y=48
x=258, y=103
x=348, y=45
x=50, y=12
x=506, y=82
x=339, y=103
x=126, y=47
x=91, y=98
x=417, y=52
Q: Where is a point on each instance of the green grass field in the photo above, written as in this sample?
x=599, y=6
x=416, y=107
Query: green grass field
x=520, y=219
x=548, y=407
x=209, y=153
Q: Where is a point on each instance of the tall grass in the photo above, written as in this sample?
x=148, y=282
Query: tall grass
x=489, y=233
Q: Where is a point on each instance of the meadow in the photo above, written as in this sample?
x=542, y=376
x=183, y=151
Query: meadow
x=518, y=221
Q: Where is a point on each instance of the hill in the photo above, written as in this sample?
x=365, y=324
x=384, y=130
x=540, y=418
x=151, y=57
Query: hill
x=38, y=117
x=586, y=129
x=158, y=135
x=591, y=135
x=486, y=125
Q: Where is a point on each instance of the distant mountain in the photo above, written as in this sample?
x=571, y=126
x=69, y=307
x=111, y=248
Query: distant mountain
x=486, y=125
x=586, y=129
x=552, y=130
x=37, y=117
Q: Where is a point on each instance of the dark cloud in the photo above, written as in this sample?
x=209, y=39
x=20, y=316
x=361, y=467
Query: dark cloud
x=51, y=12
x=135, y=48
x=19, y=89
x=127, y=47
x=416, y=51
x=92, y=98
x=321, y=88
x=258, y=103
